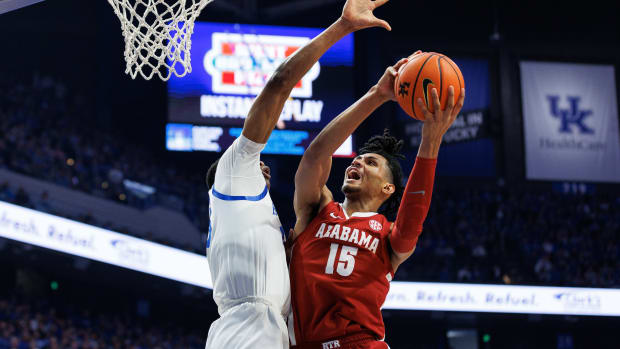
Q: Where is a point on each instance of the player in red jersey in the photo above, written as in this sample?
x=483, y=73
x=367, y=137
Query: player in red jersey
x=345, y=255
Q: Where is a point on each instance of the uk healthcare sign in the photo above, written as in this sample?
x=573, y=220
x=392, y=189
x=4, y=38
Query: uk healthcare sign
x=570, y=117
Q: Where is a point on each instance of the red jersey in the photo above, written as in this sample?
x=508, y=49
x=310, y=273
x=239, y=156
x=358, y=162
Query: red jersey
x=340, y=275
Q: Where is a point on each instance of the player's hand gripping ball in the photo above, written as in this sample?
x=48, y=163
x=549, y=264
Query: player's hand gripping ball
x=417, y=78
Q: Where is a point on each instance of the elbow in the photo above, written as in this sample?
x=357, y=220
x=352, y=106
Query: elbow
x=280, y=80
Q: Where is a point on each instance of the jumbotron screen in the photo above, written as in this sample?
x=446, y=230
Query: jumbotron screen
x=231, y=63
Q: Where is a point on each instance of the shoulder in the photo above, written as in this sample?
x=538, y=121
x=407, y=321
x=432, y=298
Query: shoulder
x=386, y=225
x=372, y=216
x=327, y=210
x=330, y=207
x=243, y=146
x=379, y=224
x=318, y=213
x=326, y=200
x=307, y=213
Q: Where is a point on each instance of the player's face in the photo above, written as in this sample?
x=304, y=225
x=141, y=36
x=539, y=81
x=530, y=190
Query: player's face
x=367, y=174
x=266, y=173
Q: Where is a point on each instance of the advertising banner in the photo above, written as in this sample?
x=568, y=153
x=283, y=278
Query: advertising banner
x=503, y=299
x=79, y=239
x=74, y=238
x=232, y=65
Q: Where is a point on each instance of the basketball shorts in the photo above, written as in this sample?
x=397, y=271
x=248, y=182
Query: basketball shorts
x=249, y=325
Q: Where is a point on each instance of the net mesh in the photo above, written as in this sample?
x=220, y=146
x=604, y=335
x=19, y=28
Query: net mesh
x=158, y=35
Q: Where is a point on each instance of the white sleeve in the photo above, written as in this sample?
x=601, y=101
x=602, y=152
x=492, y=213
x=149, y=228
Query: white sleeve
x=238, y=171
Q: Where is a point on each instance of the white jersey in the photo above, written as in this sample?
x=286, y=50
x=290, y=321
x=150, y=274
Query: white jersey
x=246, y=254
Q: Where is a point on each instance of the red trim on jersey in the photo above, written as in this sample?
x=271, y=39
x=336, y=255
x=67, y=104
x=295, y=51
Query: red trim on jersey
x=414, y=205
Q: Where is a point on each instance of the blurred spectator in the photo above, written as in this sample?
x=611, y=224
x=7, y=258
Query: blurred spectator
x=43, y=204
x=45, y=135
x=40, y=326
x=524, y=235
x=543, y=268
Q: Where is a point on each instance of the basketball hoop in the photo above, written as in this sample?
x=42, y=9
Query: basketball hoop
x=158, y=35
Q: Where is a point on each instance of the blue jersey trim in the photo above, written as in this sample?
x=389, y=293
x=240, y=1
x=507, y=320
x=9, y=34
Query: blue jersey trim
x=239, y=198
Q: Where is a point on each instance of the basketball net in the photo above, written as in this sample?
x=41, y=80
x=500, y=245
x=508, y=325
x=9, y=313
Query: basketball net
x=158, y=35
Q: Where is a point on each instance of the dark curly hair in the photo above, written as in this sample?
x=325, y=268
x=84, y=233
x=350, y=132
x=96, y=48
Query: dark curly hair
x=389, y=147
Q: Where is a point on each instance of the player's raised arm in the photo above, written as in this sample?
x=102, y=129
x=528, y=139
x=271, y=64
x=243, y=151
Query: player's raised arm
x=315, y=164
x=417, y=196
x=266, y=110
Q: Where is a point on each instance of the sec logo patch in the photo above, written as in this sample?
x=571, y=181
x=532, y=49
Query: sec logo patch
x=374, y=225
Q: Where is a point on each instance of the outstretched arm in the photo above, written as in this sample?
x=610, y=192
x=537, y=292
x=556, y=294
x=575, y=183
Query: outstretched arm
x=266, y=110
x=417, y=196
x=315, y=165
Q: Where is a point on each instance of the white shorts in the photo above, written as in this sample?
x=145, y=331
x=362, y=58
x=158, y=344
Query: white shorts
x=249, y=325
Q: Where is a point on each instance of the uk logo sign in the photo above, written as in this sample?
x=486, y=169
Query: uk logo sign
x=572, y=118
x=243, y=63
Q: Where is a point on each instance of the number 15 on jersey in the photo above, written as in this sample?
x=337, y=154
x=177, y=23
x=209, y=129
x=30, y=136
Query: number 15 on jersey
x=346, y=261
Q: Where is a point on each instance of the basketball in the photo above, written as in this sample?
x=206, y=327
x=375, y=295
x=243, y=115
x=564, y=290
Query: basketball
x=420, y=75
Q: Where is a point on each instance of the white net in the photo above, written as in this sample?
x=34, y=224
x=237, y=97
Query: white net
x=158, y=35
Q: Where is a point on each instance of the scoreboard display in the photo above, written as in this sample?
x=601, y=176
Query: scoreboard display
x=231, y=63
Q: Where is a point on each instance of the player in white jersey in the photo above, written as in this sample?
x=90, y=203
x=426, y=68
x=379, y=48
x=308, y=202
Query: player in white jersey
x=245, y=254
x=244, y=248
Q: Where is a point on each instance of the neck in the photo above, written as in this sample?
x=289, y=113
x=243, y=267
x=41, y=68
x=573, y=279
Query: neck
x=359, y=205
